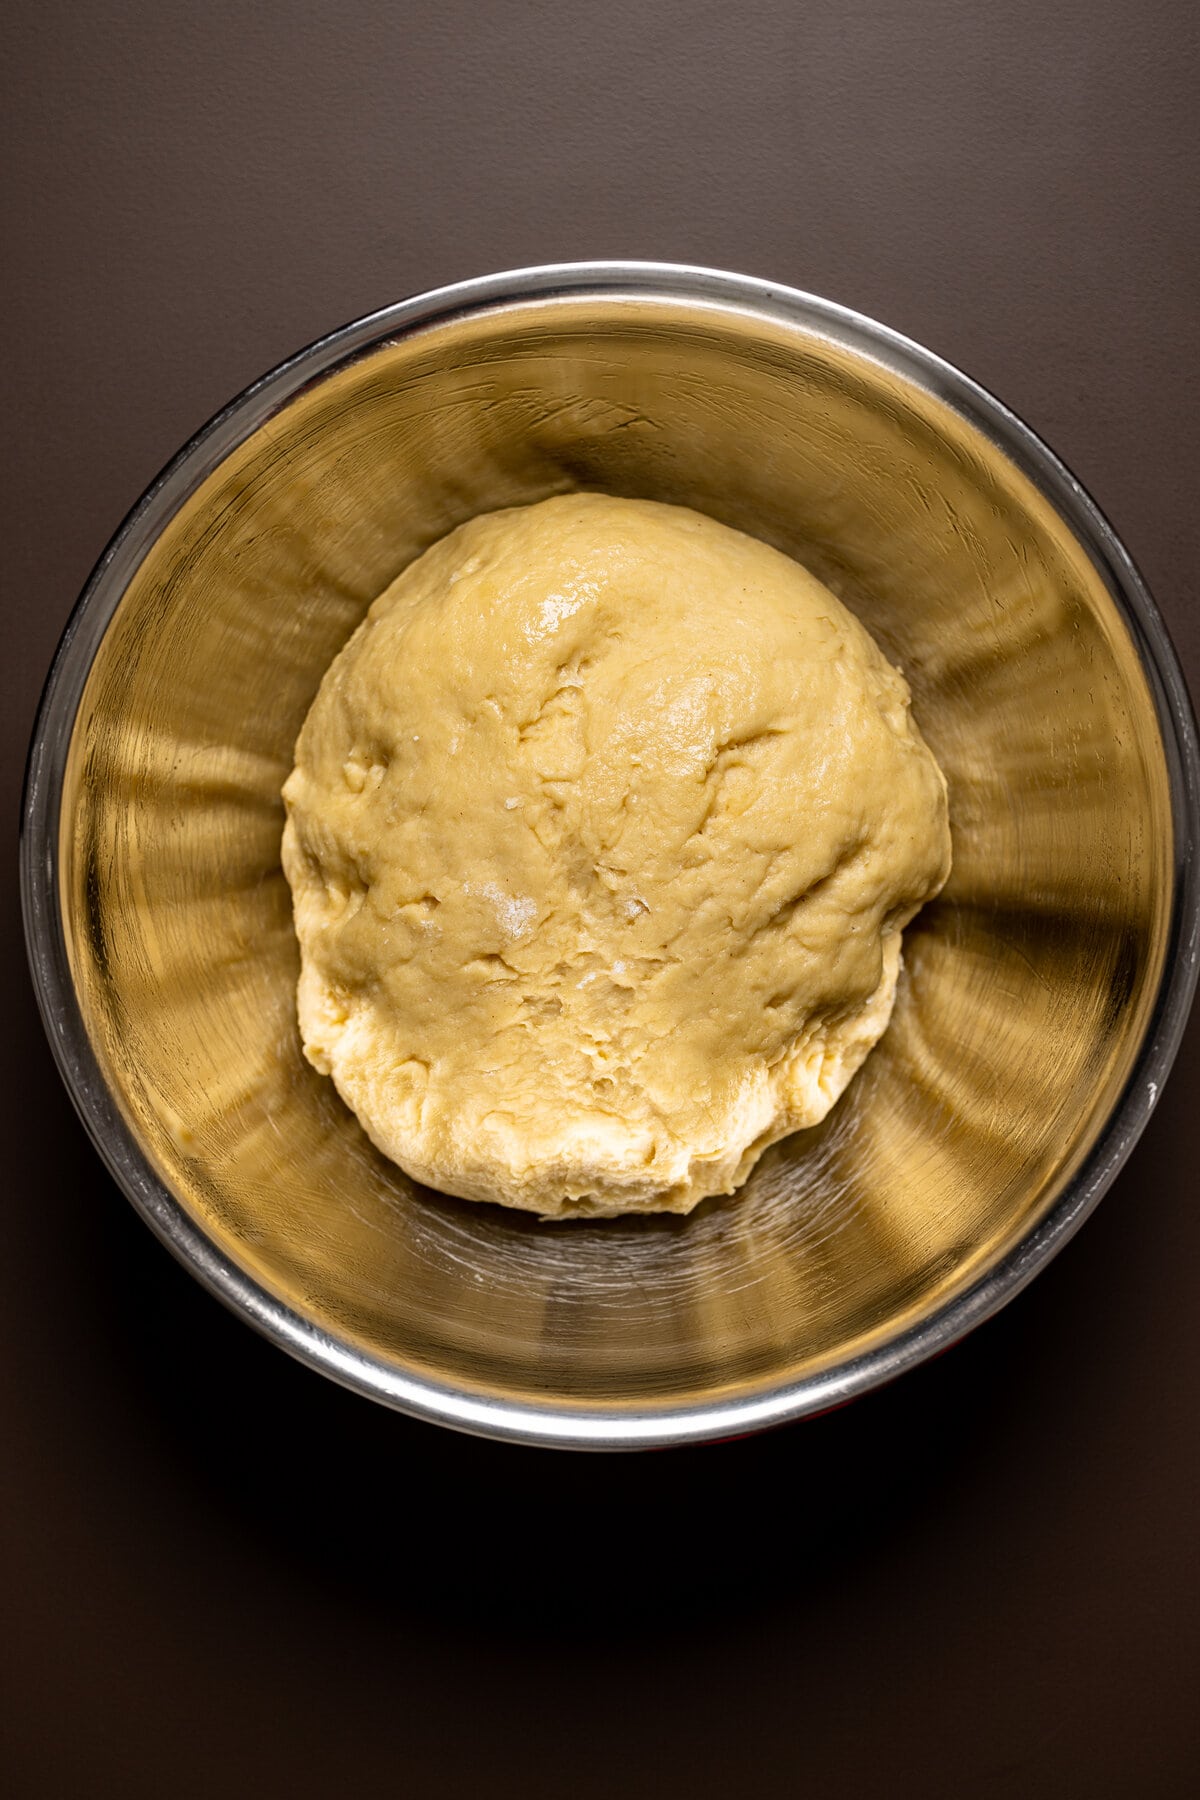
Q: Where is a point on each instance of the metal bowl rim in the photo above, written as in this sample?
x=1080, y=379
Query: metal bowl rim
x=602, y=1426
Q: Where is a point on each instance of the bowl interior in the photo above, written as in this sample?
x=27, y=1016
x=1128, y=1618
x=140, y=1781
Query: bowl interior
x=1028, y=986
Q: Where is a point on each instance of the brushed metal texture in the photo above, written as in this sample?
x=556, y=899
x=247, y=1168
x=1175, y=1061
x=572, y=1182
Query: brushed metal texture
x=1045, y=989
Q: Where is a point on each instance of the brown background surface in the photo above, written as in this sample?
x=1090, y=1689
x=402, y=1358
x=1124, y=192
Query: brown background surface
x=221, y=1575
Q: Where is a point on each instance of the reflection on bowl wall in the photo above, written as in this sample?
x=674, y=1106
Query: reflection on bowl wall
x=1038, y=986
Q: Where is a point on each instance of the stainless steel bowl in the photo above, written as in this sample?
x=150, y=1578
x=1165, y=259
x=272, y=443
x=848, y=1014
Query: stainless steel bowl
x=1045, y=991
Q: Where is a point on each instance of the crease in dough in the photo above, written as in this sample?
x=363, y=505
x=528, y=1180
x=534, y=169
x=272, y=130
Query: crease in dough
x=602, y=834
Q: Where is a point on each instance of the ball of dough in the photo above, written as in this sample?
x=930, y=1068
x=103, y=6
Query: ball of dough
x=602, y=833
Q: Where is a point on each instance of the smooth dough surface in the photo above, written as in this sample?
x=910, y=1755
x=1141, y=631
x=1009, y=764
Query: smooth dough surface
x=602, y=833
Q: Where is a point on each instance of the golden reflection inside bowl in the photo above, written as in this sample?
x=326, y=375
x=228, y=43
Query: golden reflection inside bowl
x=1029, y=982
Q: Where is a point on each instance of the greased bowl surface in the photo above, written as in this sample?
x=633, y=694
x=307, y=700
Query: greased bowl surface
x=1045, y=989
